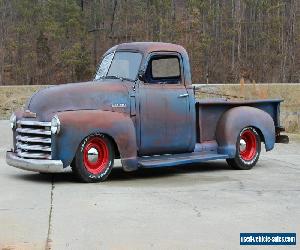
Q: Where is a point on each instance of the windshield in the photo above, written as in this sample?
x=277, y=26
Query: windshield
x=119, y=64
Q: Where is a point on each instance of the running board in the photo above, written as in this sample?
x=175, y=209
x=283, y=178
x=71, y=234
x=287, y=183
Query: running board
x=178, y=159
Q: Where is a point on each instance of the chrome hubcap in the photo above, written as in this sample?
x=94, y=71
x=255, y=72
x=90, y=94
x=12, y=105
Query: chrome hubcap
x=242, y=145
x=92, y=155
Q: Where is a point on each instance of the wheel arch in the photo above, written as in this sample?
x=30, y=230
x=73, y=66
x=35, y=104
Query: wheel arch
x=235, y=119
x=261, y=135
x=114, y=144
x=77, y=125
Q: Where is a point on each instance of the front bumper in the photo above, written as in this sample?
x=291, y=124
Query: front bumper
x=43, y=166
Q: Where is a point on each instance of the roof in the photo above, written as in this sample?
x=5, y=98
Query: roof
x=146, y=47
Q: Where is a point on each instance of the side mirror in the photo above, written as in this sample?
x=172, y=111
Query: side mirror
x=141, y=75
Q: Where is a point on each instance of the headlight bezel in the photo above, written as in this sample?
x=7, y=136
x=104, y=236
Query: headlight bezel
x=55, y=125
x=13, y=121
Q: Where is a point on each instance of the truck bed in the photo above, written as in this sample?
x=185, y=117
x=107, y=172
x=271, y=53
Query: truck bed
x=209, y=111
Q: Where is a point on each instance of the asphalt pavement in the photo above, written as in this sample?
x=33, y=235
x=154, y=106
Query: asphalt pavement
x=203, y=206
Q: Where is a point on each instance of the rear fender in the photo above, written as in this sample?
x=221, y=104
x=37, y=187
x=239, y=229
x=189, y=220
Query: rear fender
x=235, y=119
x=76, y=125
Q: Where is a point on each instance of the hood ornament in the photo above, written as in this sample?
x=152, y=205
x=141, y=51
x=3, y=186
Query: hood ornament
x=29, y=114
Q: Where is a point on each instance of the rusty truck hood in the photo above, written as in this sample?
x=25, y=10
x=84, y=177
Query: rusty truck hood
x=109, y=95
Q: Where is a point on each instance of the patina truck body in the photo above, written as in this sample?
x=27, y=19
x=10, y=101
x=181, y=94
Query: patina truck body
x=140, y=108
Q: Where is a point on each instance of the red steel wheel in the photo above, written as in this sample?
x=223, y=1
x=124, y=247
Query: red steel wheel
x=248, y=148
x=94, y=158
x=95, y=155
x=248, y=145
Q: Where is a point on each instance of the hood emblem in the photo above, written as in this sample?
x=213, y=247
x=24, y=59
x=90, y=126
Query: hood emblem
x=119, y=105
x=29, y=114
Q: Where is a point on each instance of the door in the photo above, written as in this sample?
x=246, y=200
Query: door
x=164, y=107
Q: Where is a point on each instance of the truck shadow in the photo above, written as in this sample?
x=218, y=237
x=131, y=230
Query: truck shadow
x=117, y=174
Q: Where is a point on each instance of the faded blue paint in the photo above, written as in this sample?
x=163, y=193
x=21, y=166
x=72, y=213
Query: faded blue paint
x=76, y=125
x=237, y=118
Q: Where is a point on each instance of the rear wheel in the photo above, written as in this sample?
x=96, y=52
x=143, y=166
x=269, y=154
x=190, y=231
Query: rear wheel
x=94, y=159
x=248, y=148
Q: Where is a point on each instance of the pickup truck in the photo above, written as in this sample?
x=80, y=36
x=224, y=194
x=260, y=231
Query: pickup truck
x=139, y=108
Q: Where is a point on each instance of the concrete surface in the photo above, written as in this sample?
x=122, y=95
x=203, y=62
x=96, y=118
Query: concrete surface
x=203, y=206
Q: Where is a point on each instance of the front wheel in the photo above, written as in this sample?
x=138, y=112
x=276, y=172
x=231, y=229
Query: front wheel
x=94, y=159
x=248, y=148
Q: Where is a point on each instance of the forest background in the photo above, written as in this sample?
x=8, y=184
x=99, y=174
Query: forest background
x=57, y=41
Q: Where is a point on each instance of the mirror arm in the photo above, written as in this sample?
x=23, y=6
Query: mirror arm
x=141, y=75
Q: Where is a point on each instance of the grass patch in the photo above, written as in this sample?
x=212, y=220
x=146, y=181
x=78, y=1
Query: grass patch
x=14, y=97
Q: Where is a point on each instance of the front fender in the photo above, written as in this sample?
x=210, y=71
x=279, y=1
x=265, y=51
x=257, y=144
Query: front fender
x=235, y=119
x=76, y=125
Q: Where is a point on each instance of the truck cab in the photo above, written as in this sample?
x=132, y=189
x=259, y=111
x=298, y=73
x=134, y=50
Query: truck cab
x=140, y=107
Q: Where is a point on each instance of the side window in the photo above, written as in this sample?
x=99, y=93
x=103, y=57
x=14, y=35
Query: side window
x=164, y=69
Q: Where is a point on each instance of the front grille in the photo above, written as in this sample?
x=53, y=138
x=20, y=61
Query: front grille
x=33, y=139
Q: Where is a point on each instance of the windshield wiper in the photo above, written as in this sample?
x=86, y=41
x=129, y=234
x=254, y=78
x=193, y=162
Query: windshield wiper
x=118, y=77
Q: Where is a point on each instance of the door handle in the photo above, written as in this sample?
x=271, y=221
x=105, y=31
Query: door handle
x=183, y=95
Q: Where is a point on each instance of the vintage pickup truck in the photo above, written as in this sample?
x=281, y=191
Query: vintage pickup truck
x=141, y=109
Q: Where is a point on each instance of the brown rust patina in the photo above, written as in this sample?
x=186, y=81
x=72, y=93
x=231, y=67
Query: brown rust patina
x=78, y=96
x=78, y=124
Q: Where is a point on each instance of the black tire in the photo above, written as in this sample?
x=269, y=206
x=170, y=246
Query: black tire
x=45, y=174
x=97, y=169
x=247, y=158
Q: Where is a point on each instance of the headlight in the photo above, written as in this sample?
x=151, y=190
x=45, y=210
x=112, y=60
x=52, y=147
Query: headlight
x=55, y=125
x=13, y=121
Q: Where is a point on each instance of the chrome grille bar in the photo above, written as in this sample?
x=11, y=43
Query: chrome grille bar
x=33, y=139
x=33, y=155
x=34, y=123
x=33, y=131
x=33, y=147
